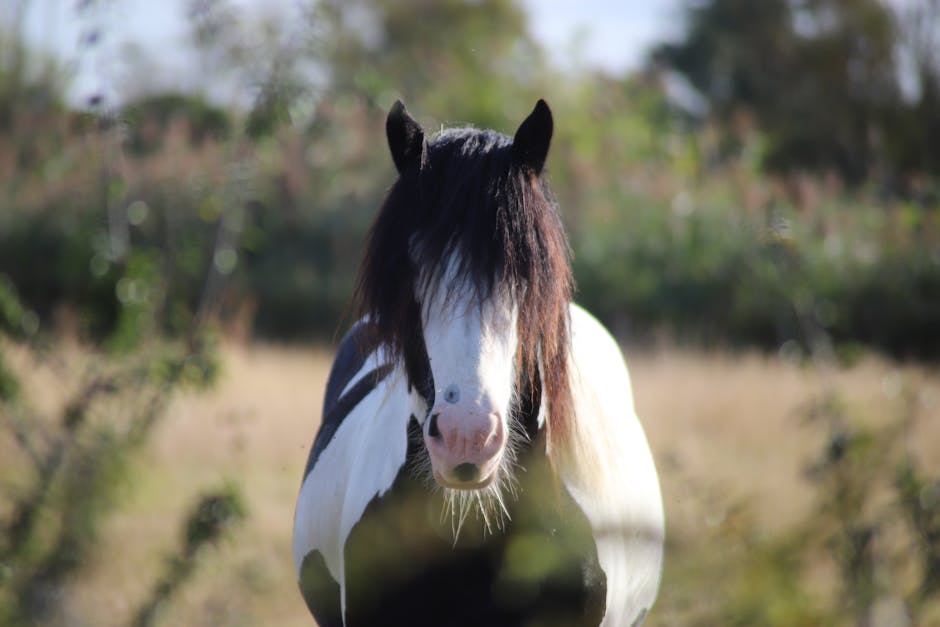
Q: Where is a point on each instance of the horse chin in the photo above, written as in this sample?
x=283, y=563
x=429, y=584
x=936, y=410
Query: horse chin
x=481, y=484
x=479, y=508
x=486, y=477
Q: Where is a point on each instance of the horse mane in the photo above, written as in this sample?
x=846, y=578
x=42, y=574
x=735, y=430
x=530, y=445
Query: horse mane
x=469, y=202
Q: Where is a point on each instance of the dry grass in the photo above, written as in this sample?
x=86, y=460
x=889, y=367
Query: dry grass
x=733, y=446
x=726, y=431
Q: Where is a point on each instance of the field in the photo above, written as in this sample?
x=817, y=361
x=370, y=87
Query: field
x=728, y=431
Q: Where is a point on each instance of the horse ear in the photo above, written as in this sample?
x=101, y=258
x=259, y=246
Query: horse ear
x=530, y=145
x=405, y=139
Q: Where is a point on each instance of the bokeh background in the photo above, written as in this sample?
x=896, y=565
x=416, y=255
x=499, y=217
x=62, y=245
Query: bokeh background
x=752, y=195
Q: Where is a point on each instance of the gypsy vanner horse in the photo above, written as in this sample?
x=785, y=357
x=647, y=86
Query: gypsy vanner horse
x=479, y=460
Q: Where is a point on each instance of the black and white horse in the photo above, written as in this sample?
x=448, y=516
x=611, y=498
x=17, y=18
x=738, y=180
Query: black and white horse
x=479, y=460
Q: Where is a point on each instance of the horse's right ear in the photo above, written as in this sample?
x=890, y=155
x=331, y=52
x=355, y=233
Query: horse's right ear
x=405, y=139
x=530, y=145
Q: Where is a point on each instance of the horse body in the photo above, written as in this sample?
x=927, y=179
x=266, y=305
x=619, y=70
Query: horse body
x=444, y=486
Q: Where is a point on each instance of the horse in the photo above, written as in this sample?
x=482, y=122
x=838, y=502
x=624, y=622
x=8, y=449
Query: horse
x=479, y=459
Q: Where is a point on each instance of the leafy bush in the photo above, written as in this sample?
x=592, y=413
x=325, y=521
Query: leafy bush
x=674, y=226
x=149, y=119
x=688, y=254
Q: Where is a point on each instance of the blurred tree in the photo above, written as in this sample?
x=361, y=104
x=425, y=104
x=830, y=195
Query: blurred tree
x=832, y=108
x=474, y=59
x=822, y=79
x=28, y=78
x=914, y=142
x=149, y=119
x=73, y=463
x=734, y=51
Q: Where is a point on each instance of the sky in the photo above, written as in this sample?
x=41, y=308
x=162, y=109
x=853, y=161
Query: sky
x=612, y=34
x=609, y=34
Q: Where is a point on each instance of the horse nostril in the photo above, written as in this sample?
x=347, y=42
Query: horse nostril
x=433, y=430
x=465, y=472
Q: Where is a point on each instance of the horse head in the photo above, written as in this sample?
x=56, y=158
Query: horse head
x=466, y=280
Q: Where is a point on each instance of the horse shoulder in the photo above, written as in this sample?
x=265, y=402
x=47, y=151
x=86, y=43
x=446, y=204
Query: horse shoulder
x=356, y=456
x=612, y=477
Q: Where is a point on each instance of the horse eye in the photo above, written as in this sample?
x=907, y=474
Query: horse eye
x=452, y=394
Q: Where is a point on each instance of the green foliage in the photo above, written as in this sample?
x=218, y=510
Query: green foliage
x=823, y=81
x=9, y=385
x=150, y=119
x=920, y=501
x=78, y=464
x=211, y=518
x=713, y=274
x=377, y=49
x=674, y=229
x=15, y=320
x=874, y=505
x=98, y=261
x=138, y=293
x=865, y=553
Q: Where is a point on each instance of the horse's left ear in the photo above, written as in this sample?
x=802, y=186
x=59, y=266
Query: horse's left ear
x=530, y=145
x=405, y=139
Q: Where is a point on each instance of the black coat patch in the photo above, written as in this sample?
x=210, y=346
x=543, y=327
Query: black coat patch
x=320, y=591
x=403, y=567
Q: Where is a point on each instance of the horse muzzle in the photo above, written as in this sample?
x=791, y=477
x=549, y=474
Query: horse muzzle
x=465, y=446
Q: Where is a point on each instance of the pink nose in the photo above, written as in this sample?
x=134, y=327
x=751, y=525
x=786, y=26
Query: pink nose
x=465, y=445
